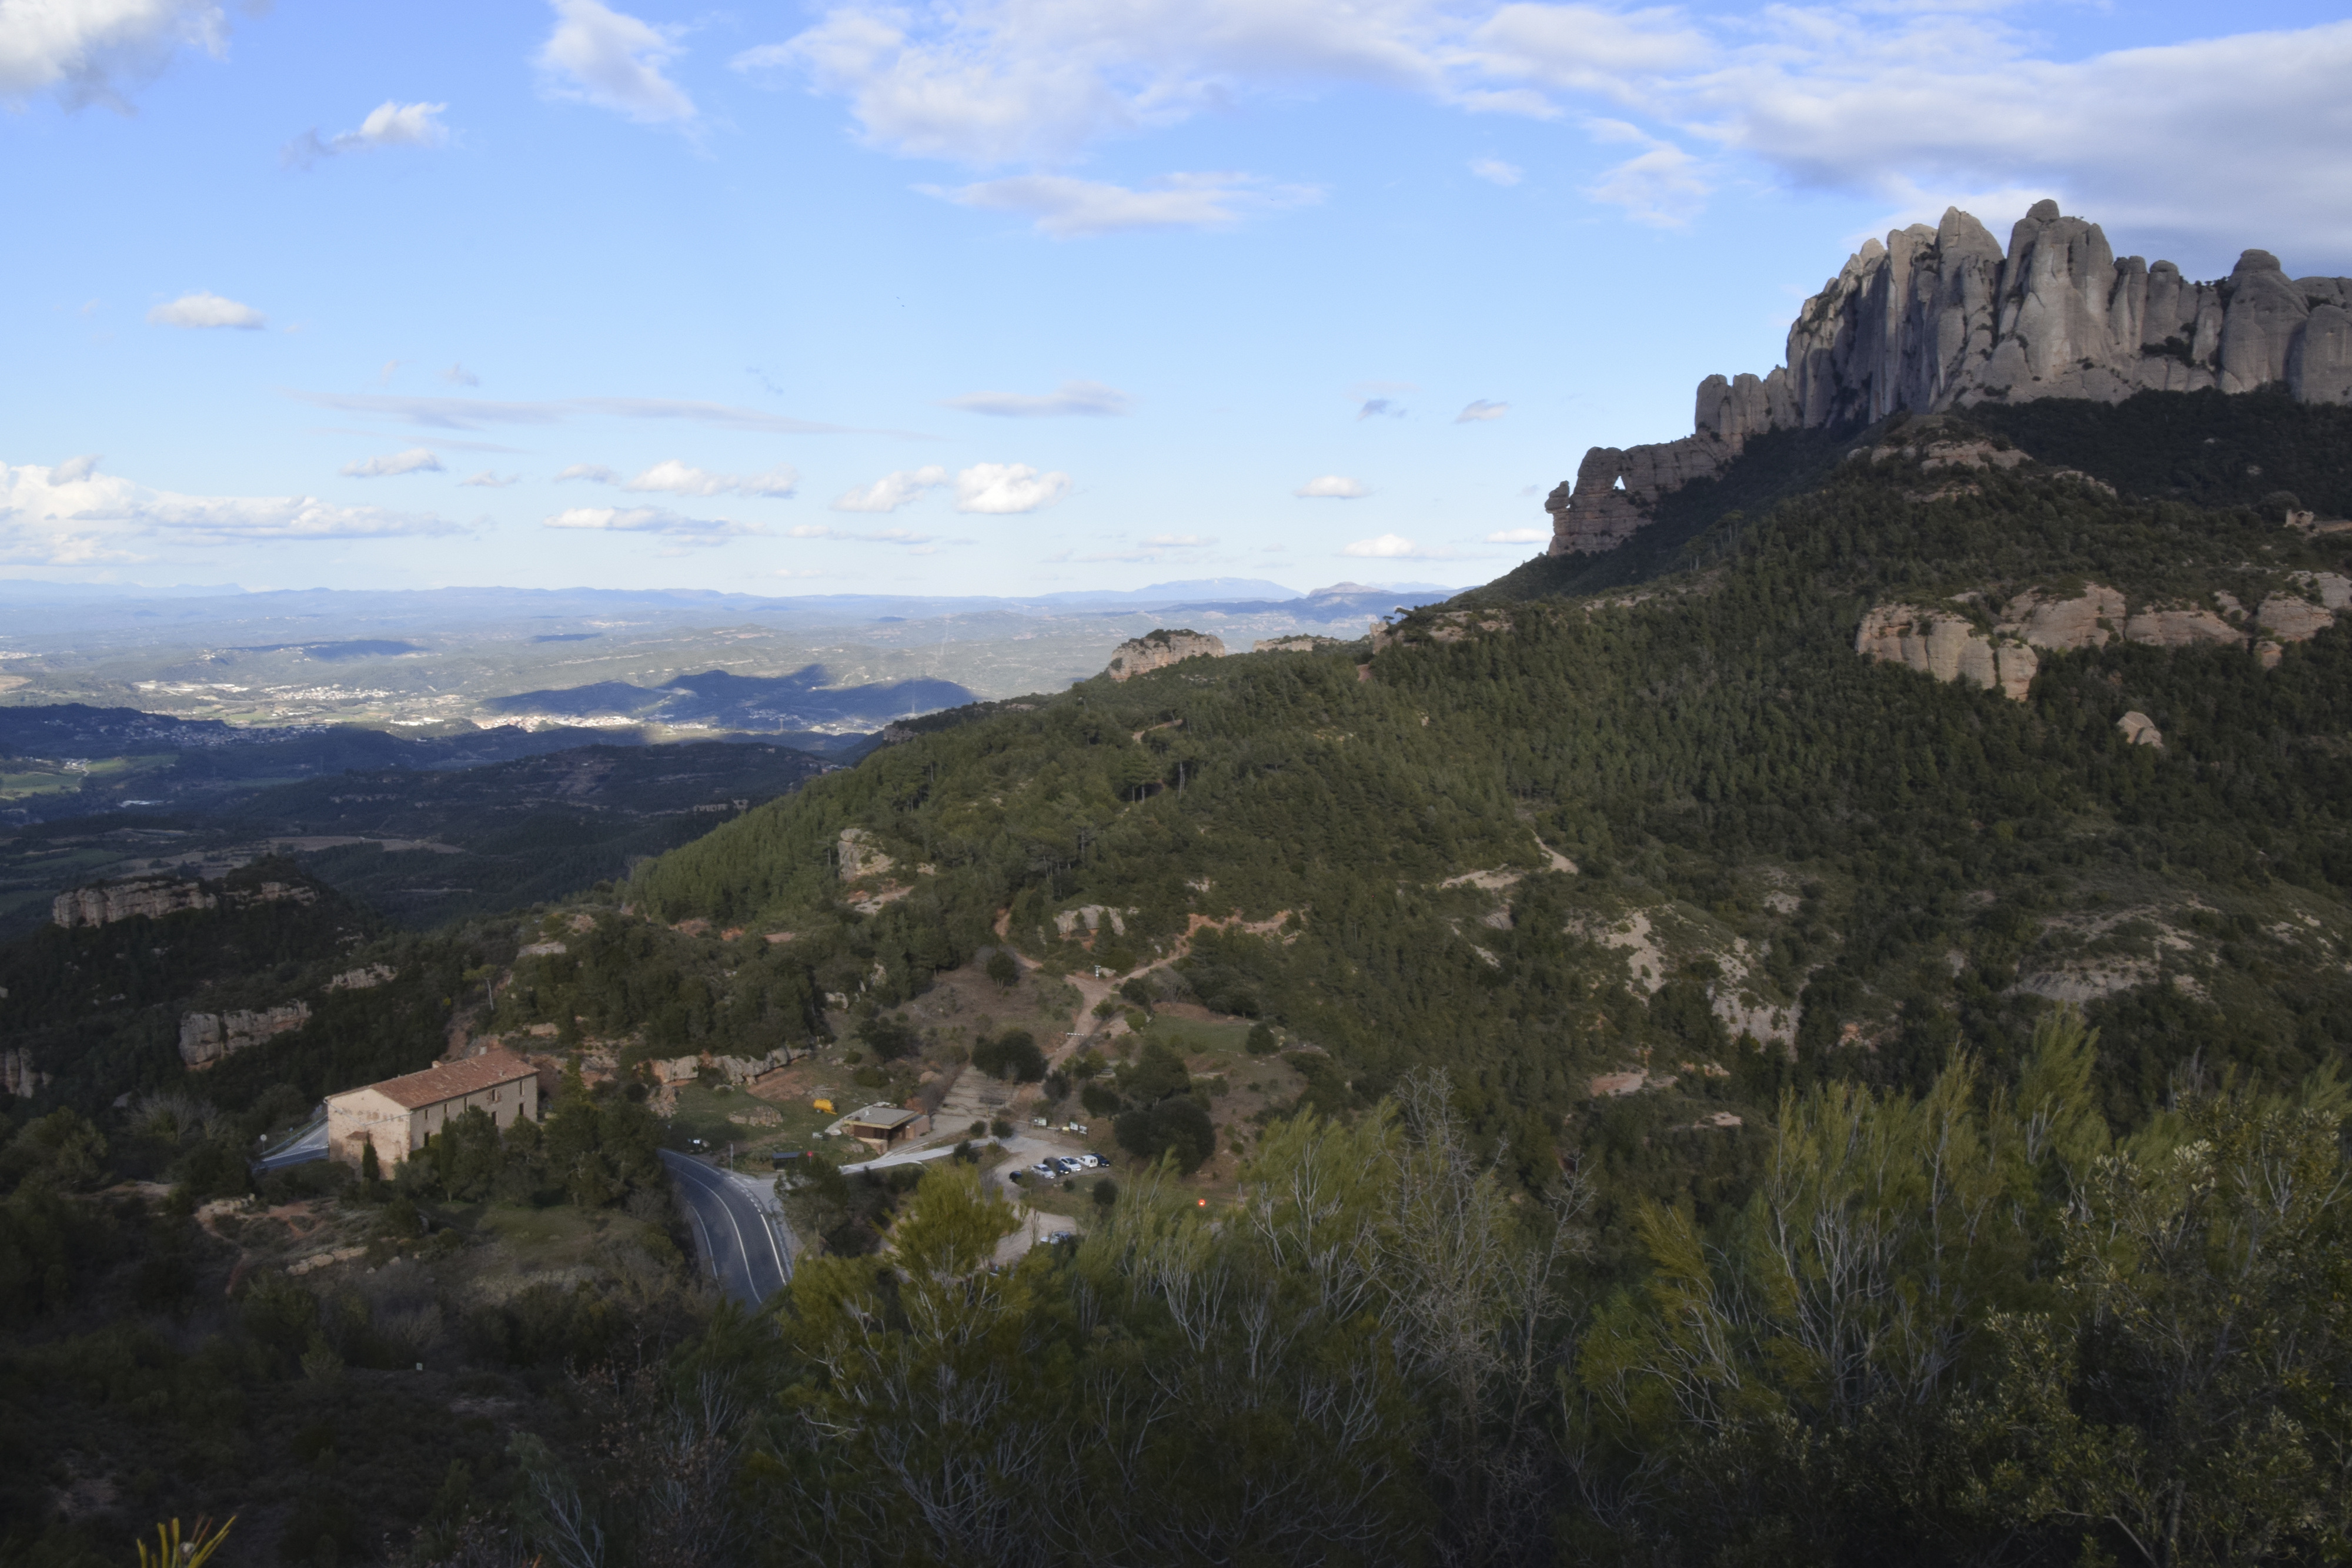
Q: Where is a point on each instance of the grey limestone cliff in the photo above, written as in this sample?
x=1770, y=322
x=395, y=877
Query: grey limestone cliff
x=1939, y=318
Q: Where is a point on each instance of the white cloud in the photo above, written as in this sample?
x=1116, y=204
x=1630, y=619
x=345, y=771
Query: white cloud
x=1660, y=185
x=891, y=491
x=1471, y=413
x=1388, y=547
x=1068, y=208
x=202, y=309
x=486, y=480
x=1005, y=489
x=1494, y=171
x=459, y=376
x=1518, y=536
x=1069, y=398
x=1334, y=488
x=650, y=520
x=671, y=476
x=1178, y=541
x=71, y=515
x=84, y=51
x=876, y=536
x=1578, y=49
x=476, y=413
x=415, y=460
x=1381, y=408
x=389, y=124
x=613, y=60
x=2220, y=141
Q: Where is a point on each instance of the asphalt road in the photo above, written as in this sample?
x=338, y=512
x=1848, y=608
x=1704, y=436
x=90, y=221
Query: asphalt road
x=744, y=1243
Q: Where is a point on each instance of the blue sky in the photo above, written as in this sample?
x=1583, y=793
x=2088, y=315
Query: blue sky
x=1012, y=296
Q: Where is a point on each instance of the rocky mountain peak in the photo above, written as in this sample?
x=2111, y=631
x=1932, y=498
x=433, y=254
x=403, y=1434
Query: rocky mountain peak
x=1940, y=318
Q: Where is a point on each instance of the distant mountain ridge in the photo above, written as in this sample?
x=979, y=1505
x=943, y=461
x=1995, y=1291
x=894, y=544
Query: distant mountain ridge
x=1940, y=318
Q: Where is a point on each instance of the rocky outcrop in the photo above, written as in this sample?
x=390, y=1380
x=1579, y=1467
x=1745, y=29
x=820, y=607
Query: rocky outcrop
x=1940, y=318
x=1158, y=650
x=2141, y=730
x=17, y=1074
x=364, y=978
x=1949, y=645
x=1298, y=644
x=2180, y=627
x=860, y=857
x=1617, y=491
x=153, y=896
x=206, y=1038
x=2086, y=621
x=1093, y=917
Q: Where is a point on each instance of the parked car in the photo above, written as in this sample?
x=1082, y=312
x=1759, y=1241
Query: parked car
x=1093, y=1162
x=1046, y=1168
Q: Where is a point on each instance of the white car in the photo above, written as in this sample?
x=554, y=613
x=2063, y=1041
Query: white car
x=1045, y=1168
x=1093, y=1162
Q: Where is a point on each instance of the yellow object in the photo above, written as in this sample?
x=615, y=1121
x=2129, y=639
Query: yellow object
x=171, y=1551
x=823, y=1105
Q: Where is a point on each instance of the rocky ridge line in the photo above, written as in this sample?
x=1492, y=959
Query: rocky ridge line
x=1940, y=318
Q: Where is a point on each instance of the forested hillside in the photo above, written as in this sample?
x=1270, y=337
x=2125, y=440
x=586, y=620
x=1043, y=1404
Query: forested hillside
x=1743, y=1101
x=1854, y=864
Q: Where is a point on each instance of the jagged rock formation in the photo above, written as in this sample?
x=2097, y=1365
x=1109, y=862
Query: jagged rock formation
x=1951, y=646
x=366, y=977
x=1940, y=318
x=1158, y=650
x=205, y=1038
x=1616, y=490
x=2141, y=730
x=154, y=896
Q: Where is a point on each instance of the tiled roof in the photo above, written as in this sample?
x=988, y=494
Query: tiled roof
x=451, y=1080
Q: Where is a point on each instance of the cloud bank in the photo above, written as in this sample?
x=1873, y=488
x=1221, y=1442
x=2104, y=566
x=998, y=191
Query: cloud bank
x=71, y=515
x=2222, y=141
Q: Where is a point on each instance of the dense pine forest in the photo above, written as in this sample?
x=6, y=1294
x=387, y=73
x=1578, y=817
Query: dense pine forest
x=1747, y=1102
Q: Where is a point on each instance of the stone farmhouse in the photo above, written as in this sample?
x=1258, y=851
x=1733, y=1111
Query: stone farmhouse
x=398, y=1114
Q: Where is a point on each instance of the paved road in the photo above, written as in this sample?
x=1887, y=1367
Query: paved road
x=743, y=1241
x=306, y=1144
